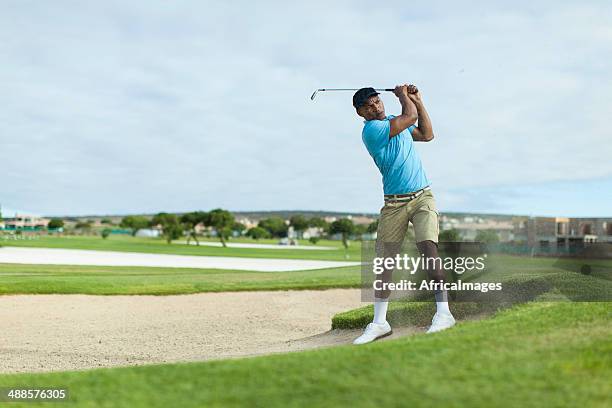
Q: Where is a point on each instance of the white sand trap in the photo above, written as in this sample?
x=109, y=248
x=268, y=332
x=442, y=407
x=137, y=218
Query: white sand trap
x=65, y=332
x=261, y=246
x=53, y=256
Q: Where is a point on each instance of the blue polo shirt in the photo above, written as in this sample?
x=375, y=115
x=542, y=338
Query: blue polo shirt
x=396, y=158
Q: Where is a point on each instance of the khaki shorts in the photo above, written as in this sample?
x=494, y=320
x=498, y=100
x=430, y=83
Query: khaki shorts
x=395, y=216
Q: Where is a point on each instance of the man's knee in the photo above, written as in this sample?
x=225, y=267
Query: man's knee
x=382, y=294
x=433, y=267
x=428, y=248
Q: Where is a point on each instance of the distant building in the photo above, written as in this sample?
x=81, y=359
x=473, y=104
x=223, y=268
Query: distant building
x=361, y=220
x=560, y=234
x=247, y=222
x=25, y=222
x=468, y=226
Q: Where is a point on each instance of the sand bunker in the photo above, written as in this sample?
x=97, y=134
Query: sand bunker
x=66, y=332
x=53, y=256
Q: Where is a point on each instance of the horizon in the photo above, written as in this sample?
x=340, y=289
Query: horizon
x=302, y=211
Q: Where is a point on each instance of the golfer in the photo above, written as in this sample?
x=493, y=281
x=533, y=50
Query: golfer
x=408, y=197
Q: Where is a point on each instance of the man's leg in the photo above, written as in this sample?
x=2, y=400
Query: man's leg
x=425, y=220
x=392, y=227
x=429, y=250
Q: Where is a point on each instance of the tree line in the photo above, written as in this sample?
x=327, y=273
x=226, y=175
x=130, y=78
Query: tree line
x=173, y=226
x=223, y=222
x=224, y=225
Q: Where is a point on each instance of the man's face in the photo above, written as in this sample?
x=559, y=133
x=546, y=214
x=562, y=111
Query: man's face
x=372, y=109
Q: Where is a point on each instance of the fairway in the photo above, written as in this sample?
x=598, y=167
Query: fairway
x=535, y=355
x=124, y=280
x=117, y=280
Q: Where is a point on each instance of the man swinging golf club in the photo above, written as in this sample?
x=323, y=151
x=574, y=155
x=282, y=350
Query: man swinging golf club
x=408, y=198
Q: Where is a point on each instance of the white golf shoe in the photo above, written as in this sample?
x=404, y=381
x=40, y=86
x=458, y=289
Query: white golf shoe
x=441, y=321
x=372, y=332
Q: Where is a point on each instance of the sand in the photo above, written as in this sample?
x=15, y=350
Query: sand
x=66, y=332
x=53, y=256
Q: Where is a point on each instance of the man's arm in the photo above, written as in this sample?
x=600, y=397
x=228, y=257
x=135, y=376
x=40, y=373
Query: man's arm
x=424, y=131
x=409, y=112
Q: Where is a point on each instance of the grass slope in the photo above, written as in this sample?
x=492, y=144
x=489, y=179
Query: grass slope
x=534, y=355
x=119, y=280
x=159, y=246
x=523, y=279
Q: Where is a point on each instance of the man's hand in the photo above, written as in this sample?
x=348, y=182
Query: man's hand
x=424, y=131
x=409, y=112
x=414, y=94
x=405, y=90
x=401, y=90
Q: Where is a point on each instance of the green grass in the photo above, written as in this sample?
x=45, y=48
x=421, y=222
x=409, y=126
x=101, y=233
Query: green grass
x=535, y=355
x=118, y=280
x=523, y=279
x=403, y=314
x=534, y=273
x=158, y=246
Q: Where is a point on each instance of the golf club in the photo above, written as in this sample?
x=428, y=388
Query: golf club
x=314, y=94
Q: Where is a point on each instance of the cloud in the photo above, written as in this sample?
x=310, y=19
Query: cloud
x=147, y=106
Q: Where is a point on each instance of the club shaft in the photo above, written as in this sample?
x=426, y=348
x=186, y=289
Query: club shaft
x=345, y=89
x=354, y=89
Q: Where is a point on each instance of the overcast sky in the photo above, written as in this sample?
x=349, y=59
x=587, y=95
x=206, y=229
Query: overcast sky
x=143, y=106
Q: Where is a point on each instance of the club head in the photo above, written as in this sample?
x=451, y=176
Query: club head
x=314, y=94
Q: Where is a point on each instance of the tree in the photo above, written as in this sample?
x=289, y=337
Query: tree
x=373, y=227
x=106, y=232
x=451, y=235
x=359, y=230
x=222, y=221
x=106, y=221
x=190, y=221
x=487, y=237
x=342, y=226
x=299, y=224
x=83, y=225
x=275, y=226
x=257, y=233
x=317, y=222
x=171, y=228
x=313, y=240
x=239, y=227
x=134, y=222
x=55, y=223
